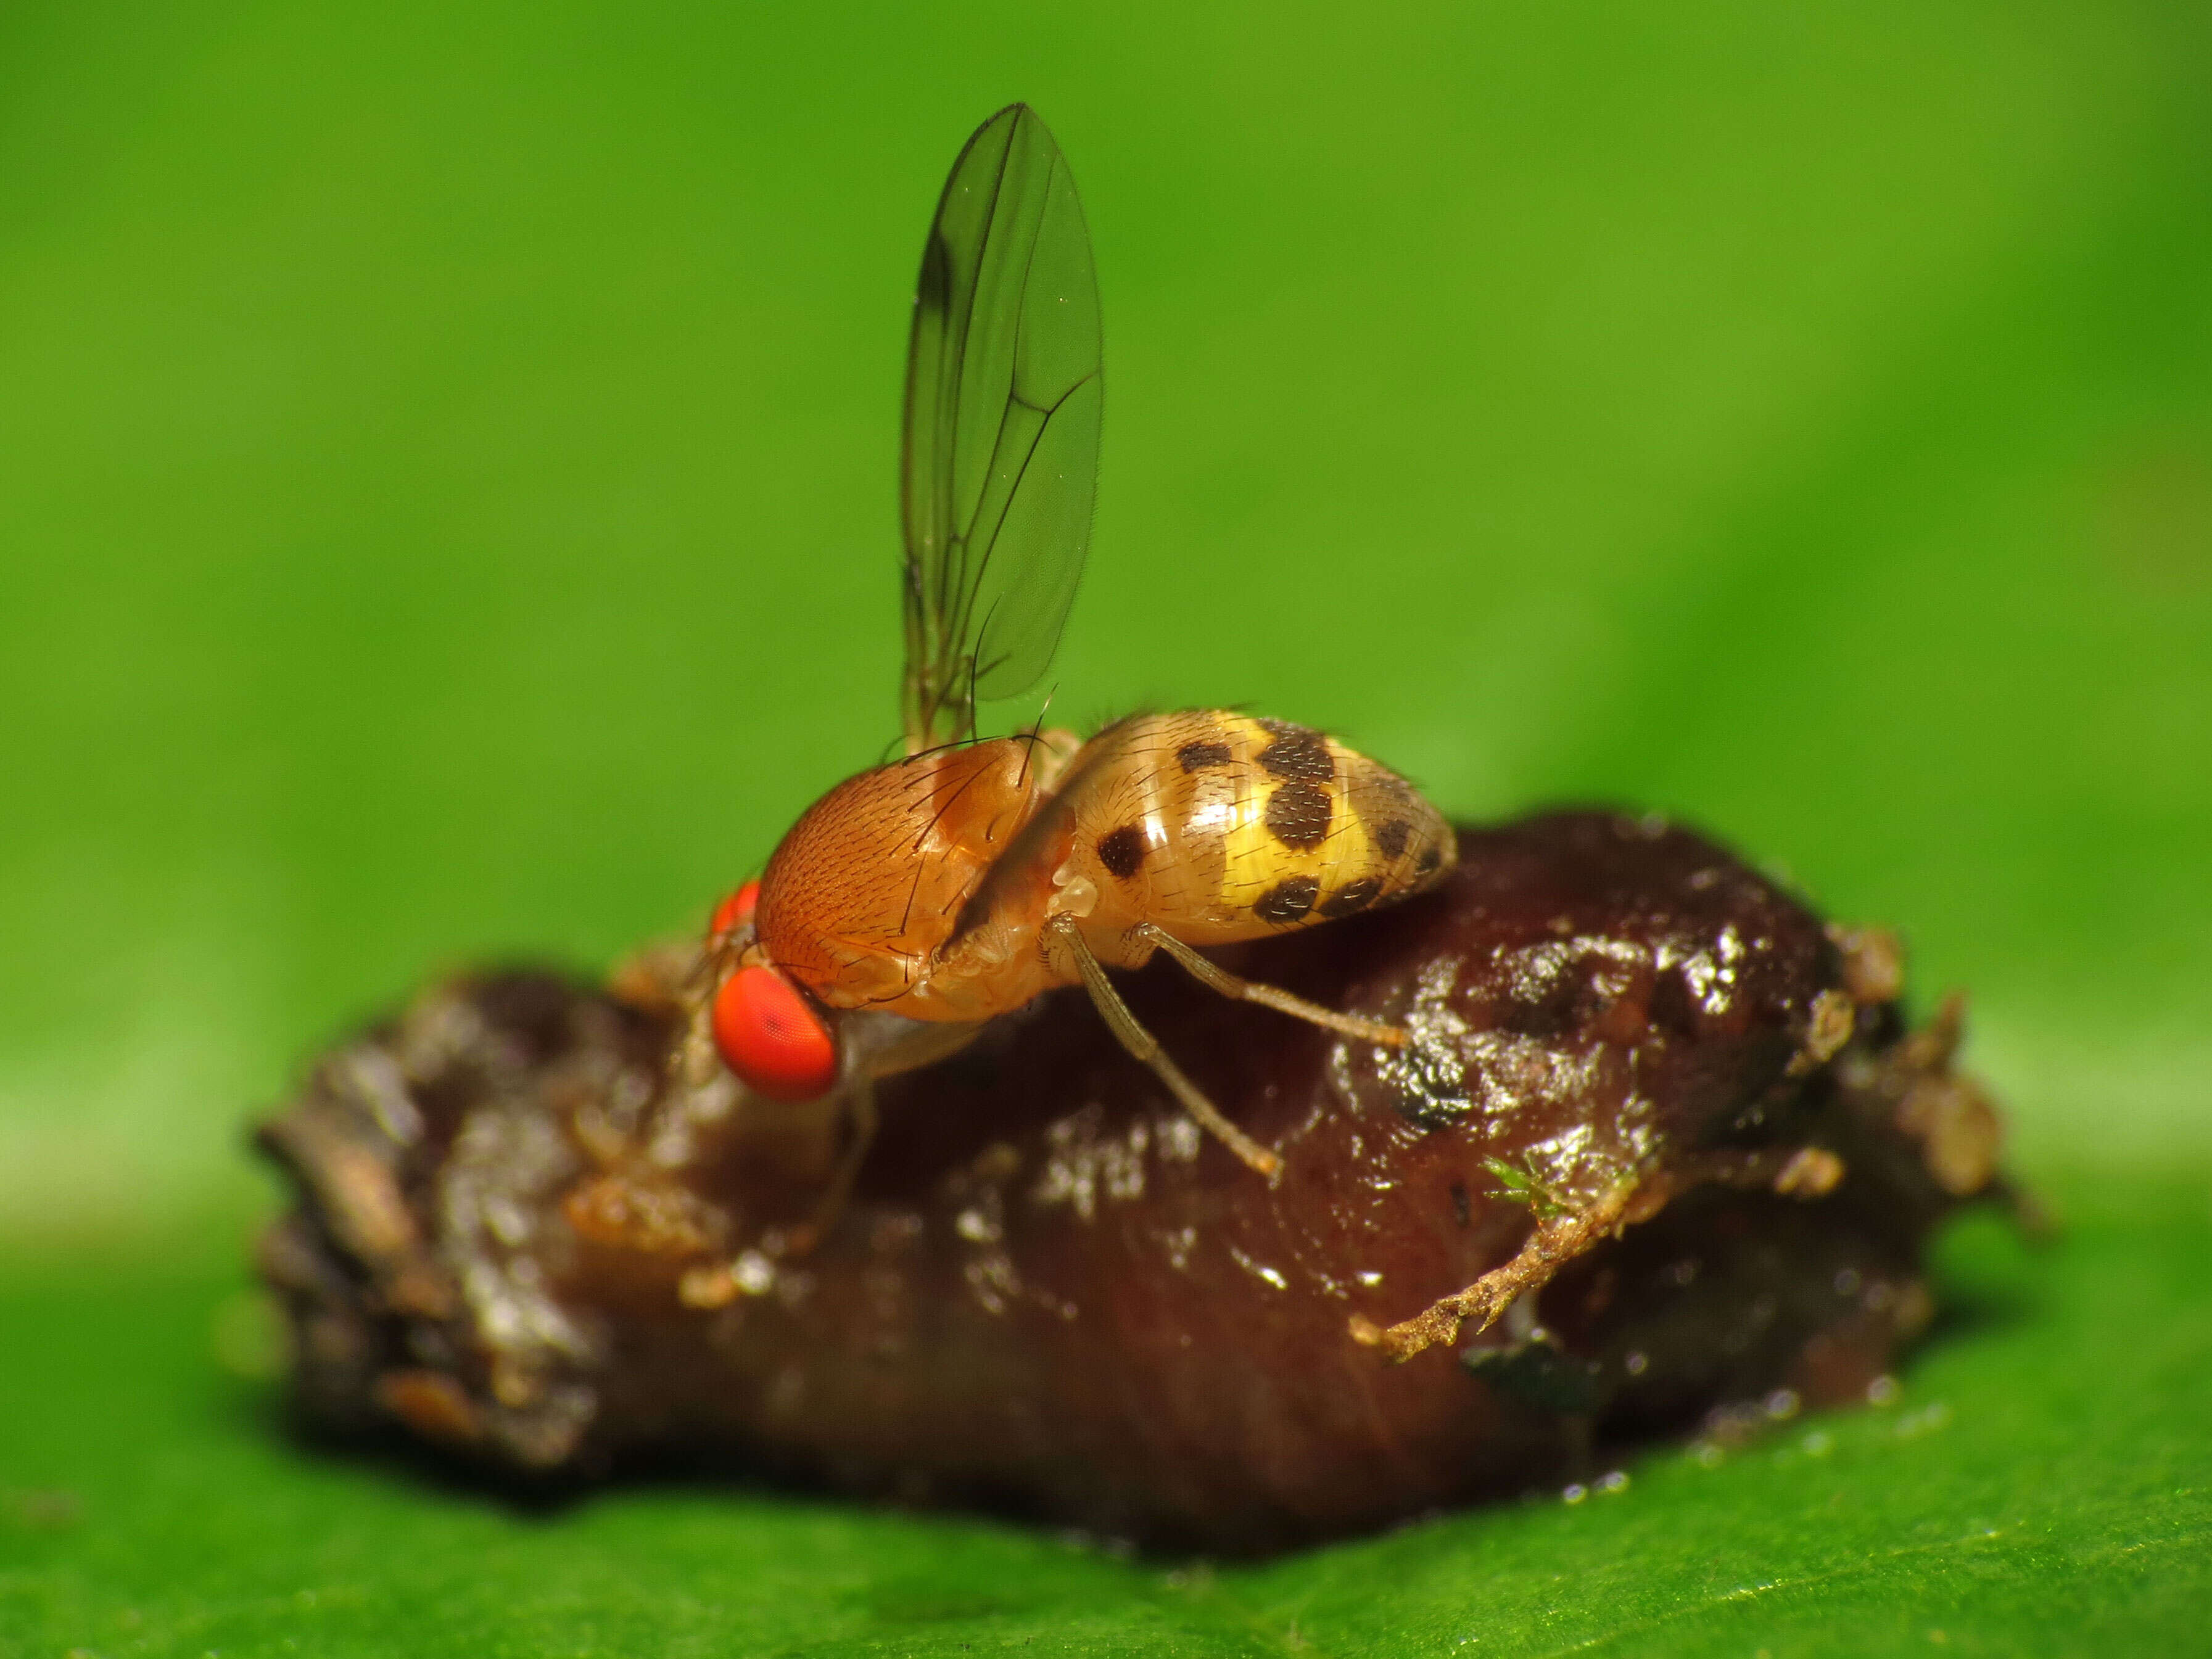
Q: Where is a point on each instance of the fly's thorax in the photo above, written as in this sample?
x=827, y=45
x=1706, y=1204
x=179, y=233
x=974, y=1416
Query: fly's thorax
x=1220, y=827
x=871, y=879
x=1052, y=748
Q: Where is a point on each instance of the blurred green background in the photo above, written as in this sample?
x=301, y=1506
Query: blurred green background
x=447, y=504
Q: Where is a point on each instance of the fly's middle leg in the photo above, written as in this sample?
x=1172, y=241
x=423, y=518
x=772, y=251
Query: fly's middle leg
x=1146, y=1048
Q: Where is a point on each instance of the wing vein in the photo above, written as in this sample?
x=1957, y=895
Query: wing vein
x=1003, y=396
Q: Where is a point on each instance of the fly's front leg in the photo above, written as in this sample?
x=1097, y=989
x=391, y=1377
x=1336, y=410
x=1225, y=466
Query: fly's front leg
x=1215, y=977
x=693, y=1059
x=858, y=1107
x=1146, y=1048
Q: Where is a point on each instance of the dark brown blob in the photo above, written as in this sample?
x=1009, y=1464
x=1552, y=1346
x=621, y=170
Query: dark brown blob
x=515, y=1236
x=1431, y=857
x=1298, y=815
x=1197, y=757
x=1352, y=898
x=1298, y=752
x=1392, y=837
x=1122, y=850
x=1287, y=901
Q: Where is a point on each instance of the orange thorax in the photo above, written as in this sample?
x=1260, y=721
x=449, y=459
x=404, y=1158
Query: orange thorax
x=869, y=884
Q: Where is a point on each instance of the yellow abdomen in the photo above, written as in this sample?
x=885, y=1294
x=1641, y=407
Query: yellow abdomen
x=1218, y=827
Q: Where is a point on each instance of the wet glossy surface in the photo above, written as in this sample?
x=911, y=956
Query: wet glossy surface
x=1051, y=1292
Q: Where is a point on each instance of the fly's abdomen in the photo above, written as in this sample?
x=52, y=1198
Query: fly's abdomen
x=1218, y=827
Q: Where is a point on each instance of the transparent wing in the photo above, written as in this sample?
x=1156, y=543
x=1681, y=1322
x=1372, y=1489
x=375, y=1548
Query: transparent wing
x=1000, y=458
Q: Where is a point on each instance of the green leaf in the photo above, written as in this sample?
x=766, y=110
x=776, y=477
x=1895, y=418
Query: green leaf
x=2041, y=1483
x=447, y=512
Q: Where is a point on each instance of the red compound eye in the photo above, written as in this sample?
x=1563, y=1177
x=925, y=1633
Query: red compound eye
x=736, y=910
x=770, y=1038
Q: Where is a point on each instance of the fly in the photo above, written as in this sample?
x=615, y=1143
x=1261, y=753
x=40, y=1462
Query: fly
x=916, y=902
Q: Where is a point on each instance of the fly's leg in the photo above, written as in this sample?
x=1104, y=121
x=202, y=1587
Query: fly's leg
x=693, y=1060
x=1796, y=1172
x=1215, y=977
x=1146, y=1048
x=859, y=1110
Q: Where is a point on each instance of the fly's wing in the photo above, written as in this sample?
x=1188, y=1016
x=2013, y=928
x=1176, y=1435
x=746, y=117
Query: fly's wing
x=1000, y=456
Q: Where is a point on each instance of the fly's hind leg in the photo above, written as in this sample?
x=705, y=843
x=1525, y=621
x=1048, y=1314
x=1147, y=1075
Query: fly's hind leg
x=1146, y=1048
x=1215, y=977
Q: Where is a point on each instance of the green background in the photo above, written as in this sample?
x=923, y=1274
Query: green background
x=447, y=511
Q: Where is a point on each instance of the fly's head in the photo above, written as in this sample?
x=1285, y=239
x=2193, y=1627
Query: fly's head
x=777, y=1040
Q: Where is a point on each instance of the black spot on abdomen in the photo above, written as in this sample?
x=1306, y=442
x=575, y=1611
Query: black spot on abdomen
x=1393, y=836
x=1352, y=900
x=1298, y=815
x=1197, y=757
x=1122, y=850
x=1298, y=752
x=1429, y=860
x=1287, y=902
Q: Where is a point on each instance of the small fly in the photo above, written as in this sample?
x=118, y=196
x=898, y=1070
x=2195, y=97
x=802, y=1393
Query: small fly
x=914, y=902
